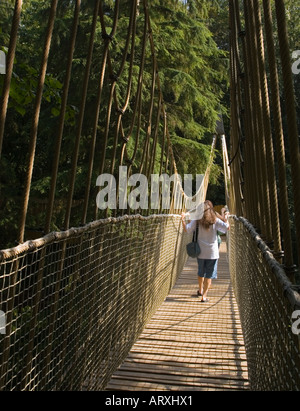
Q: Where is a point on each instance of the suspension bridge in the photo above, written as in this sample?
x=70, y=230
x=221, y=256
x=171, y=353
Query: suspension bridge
x=110, y=303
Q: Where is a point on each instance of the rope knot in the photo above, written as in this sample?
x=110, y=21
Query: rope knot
x=120, y=111
x=107, y=36
x=113, y=77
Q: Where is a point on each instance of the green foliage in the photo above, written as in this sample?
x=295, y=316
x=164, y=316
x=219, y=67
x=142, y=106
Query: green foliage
x=193, y=75
x=193, y=68
x=192, y=53
x=192, y=156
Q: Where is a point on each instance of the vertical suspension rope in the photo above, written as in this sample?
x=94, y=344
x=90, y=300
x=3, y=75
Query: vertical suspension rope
x=9, y=67
x=81, y=115
x=235, y=118
x=149, y=124
x=279, y=138
x=58, y=142
x=253, y=170
x=138, y=100
x=121, y=109
x=252, y=128
x=160, y=108
x=94, y=135
x=112, y=91
x=275, y=226
x=251, y=195
x=34, y=129
x=263, y=184
x=289, y=93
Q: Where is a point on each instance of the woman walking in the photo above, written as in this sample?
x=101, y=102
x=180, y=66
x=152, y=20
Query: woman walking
x=208, y=226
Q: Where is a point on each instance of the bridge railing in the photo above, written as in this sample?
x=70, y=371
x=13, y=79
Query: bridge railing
x=76, y=301
x=269, y=307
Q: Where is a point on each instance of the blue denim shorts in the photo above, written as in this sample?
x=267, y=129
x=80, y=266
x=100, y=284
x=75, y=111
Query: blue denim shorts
x=207, y=268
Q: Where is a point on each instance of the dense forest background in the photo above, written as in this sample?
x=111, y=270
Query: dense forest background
x=192, y=47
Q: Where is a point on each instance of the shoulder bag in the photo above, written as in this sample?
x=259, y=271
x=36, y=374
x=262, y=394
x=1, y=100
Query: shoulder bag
x=193, y=248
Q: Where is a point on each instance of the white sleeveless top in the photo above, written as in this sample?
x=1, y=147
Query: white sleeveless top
x=207, y=239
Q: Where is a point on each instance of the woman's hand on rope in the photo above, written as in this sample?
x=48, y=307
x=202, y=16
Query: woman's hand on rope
x=225, y=214
x=183, y=221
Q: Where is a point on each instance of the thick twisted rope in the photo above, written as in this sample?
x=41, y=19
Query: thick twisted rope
x=278, y=134
x=9, y=67
x=289, y=93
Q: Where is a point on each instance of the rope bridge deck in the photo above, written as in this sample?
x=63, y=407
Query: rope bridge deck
x=189, y=345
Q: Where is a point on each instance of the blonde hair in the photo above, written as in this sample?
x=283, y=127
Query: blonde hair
x=209, y=216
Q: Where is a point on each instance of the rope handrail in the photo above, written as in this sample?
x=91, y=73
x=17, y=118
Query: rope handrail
x=31, y=245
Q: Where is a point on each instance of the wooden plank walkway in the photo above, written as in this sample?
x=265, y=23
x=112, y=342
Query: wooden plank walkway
x=189, y=345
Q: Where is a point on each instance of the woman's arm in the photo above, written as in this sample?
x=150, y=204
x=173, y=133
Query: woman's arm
x=224, y=215
x=222, y=226
x=183, y=221
x=188, y=227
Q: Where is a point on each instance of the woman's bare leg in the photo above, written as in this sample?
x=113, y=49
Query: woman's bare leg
x=206, y=287
x=200, y=282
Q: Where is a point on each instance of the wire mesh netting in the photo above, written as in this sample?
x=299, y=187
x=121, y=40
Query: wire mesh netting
x=76, y=301
x=267, y=301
